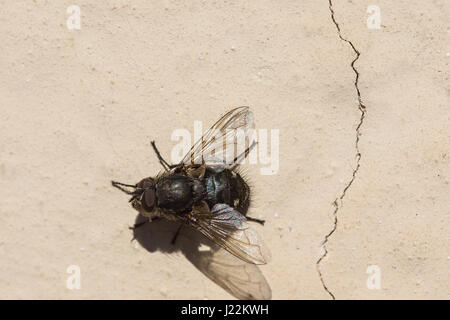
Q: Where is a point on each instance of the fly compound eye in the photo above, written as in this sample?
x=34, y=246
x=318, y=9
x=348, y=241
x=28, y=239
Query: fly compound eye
x=146, y=183
x=148, y=200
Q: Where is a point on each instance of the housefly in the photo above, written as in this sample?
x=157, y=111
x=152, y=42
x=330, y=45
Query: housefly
x=205, y=190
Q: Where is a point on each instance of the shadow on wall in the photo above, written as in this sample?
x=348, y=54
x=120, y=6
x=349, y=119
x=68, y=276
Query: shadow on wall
x=239, y=278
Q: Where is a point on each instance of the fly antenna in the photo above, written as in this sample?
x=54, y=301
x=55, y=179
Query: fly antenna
x=120, y=186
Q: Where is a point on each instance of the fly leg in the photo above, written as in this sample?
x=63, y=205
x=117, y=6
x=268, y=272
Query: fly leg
x=137, y=225
x=163, y=162
x=140, y=224
x=261, y=222
x=175, y=236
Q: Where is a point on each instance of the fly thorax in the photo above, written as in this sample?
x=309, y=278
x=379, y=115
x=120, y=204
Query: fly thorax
x=174, y=193
x=198, y=191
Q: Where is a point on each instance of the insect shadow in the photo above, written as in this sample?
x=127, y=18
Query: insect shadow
x=241, y=279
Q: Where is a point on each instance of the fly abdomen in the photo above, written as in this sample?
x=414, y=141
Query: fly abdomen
x=217, y=187
x=240, y=193
x=227, y=186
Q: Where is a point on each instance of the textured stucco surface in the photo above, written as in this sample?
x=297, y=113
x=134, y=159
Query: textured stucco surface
x=79, y=108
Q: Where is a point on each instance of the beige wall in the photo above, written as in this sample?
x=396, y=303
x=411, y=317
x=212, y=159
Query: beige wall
x=79, y=107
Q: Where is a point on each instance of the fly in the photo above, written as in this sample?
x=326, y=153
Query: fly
x=206, y=190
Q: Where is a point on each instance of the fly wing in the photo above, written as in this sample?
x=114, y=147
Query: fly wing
x=228, y=228
x=241, y=279
x=226, y=142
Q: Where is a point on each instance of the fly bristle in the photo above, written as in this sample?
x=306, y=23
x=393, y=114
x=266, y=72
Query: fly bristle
x=243, y=173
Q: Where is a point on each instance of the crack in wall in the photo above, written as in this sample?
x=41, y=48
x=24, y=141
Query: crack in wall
x=337, y=203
